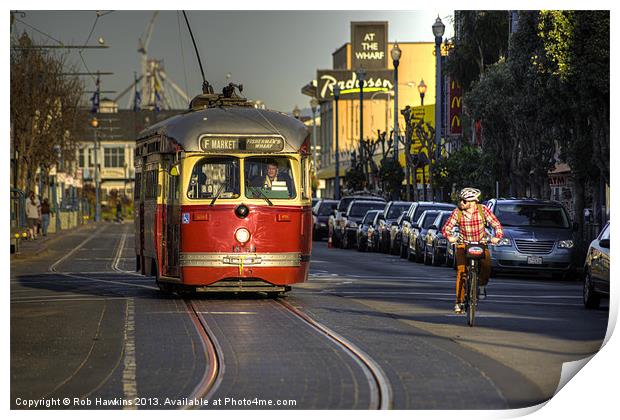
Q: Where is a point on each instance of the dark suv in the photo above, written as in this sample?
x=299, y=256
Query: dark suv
x=538, y=237
x=391, y=213
x=353, y=217
x=320, y=215
x=335, y=223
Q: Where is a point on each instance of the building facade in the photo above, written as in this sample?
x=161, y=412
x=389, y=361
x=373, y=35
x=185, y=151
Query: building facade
x=368, y=49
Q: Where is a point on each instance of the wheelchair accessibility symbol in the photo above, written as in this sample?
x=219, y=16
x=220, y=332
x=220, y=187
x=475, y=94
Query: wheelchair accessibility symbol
x=185, y=218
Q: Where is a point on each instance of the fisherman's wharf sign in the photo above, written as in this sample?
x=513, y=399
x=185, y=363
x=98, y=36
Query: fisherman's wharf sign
x=374, y=81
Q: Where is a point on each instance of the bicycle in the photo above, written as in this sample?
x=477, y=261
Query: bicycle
x=474, y=252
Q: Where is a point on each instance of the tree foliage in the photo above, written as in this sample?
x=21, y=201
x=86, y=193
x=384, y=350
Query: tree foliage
x=44, y=107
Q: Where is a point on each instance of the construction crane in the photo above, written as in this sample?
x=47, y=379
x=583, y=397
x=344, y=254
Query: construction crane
x=143, y=44
x=157, y=90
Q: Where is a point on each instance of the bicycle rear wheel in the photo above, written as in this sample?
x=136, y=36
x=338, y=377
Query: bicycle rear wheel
x=472, y=295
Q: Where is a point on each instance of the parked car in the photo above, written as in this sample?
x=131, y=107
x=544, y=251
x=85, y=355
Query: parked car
x=538, y=237
x=363, y=227
x=396, y=234
x=320, y=215
x=596, y=270
x=417, y=233
x=335, y=224
x=392, y=211
x=451, y=251
x=435, y=243
x=413, y=214
x=314, y=201
x=353, y=217
x=373, y=237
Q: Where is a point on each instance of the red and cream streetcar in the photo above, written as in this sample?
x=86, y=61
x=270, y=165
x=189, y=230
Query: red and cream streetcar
x=223, y=199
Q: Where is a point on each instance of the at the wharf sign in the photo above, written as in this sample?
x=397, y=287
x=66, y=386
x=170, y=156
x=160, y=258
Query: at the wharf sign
x=369, y=45
x=374, y=81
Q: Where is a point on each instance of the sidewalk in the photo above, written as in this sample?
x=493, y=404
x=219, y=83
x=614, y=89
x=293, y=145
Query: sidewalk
x=29, y=248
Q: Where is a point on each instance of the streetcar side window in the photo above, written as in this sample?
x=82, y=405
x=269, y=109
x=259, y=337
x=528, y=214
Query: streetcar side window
x=138, y=186
x=214, y=177
x=269, y=177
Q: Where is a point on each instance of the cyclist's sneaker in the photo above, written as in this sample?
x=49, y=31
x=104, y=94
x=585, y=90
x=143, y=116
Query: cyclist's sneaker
x=482, y=292
x=458, y=308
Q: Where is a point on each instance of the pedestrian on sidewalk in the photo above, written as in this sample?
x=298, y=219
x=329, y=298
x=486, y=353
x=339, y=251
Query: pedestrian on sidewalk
x=45, y=215
x=119, y=211
x=33, y=214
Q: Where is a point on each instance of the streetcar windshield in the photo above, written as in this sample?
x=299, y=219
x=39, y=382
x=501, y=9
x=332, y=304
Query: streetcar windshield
x=215, y=177
x=269, y=177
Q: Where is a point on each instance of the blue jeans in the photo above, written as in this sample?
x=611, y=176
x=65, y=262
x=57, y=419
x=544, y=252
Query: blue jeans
x=45, y=222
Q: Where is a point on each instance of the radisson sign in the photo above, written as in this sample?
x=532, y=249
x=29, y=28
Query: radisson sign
x=374, y=81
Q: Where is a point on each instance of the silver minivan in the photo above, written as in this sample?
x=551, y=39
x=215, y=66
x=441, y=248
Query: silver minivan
x=538, y=237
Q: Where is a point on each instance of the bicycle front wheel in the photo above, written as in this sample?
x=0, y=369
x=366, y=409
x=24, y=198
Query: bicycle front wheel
x=472, y=295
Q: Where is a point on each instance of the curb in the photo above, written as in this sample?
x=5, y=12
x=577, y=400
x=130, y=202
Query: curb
x=42, y=247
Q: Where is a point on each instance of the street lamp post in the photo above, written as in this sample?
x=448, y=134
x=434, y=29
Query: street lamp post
x=314, y=103
x=361, y=74
x=438, y=31
x=337, y=179
x=94, y=123
x=396, y=53
x=422, y=91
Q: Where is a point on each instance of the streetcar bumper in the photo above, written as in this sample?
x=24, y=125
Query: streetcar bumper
x=241, y=270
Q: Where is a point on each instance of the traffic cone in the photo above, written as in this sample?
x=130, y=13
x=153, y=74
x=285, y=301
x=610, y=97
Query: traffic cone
x=329, y=242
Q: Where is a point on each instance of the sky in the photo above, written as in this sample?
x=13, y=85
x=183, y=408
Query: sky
x=272, y=53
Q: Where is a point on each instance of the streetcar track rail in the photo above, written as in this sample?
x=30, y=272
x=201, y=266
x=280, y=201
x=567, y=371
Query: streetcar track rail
x=214, y=371
x=381, y=391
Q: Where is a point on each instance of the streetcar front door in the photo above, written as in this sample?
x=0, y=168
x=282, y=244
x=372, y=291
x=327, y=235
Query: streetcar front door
x=171, y=221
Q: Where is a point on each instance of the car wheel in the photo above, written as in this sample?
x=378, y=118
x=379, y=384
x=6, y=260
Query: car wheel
x=426, y=258
x=403, y=251
x=591, y=299
x=345, y=241
x=435, y=258
x=419, y=258
x=410, y=255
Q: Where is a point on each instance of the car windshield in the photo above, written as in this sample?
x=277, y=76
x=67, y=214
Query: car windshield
x=326, y=209
x=532, y=215
x=360, y=209
x=429, y=219
x=269, y=177
x=214, y=176
x=396, y=210
x=422, y=209
x=369, y=217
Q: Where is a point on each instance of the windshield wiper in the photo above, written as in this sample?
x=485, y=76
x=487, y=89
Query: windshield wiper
x=217, y=195
x=260, y=191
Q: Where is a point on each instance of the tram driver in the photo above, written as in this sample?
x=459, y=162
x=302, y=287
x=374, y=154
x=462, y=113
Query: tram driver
x=274, y=180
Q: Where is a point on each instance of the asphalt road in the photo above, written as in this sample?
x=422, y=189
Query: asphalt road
x=85, y=327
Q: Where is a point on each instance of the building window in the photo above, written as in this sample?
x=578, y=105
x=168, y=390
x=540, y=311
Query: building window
x=114, y=157
x=81, y=158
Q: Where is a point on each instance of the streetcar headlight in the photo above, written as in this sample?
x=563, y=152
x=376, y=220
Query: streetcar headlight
x=242, y=235
x=565, y=244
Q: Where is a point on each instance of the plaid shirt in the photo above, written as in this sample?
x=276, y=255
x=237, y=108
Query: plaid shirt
x=472, y=230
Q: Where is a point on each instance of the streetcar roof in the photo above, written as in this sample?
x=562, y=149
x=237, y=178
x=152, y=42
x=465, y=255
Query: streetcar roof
x=187, y=128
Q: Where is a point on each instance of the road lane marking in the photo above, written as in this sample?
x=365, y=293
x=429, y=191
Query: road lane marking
x=226, y=312
x=67, y=300
x=77, y=248
x=129, y=361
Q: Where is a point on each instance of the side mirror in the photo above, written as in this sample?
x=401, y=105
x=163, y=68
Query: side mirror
x=604, y=243
x=175, y=170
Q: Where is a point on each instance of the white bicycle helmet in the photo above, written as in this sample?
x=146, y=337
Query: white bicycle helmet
x=469, y=194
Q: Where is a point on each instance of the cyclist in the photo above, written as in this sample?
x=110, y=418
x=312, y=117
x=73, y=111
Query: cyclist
x=472, y=219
